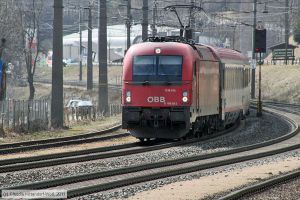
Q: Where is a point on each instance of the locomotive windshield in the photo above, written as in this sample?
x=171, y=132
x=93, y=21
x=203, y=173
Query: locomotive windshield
x=144, y=65
x=157, y=68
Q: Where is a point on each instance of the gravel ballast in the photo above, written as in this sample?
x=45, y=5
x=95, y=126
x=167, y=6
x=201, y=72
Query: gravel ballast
x=129, y=191
x=255, y=130
x=286, y=191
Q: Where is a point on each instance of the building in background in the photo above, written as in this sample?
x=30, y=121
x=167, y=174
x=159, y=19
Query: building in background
x=116, y=42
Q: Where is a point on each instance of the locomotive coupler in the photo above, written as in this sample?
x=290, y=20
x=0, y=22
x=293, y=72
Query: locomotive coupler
x=155, y=121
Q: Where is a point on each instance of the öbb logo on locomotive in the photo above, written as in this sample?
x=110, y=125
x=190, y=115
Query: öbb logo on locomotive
x=186, y=88
x=155, y=99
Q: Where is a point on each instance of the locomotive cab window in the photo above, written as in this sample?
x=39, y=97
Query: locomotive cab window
x=169, y=65
x=157, y=69
x=144, y=65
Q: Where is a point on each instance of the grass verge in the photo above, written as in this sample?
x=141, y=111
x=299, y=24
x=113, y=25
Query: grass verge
x=78, y=128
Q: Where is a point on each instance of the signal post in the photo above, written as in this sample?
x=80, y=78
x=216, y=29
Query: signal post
x=260, y=47
x=259, y=102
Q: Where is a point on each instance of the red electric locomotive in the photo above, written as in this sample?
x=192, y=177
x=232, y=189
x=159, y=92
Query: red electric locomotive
x=172, y=87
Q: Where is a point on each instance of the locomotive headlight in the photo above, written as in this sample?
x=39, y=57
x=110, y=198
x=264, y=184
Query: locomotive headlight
x=184, y=99
x=128, y=96
x=185, y=96
x=157, y=50
x=128, y=99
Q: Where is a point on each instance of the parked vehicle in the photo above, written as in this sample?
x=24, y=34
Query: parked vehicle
x=82, y=106
x=73, y=103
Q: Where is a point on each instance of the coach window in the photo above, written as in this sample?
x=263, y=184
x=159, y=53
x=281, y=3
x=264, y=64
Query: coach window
x=226, y=78
x=245, y=77
x=240, y=78
x=232, y=78
x=195, y=69
x=237, y=78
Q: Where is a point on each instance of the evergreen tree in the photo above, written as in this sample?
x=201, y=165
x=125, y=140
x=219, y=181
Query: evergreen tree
x=297, y=31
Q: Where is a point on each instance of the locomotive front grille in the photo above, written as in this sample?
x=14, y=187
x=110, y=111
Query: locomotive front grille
x=155, y=117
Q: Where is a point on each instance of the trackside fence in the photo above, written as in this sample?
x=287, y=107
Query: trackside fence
x=73, y=115
x=115, y=109
x=79, y=114
x=24, y=115
x=31, y=116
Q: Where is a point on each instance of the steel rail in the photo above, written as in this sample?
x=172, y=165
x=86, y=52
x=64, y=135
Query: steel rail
x=286, y=106
x=82, y=158
x=165, y=173
x=63, y=143
x=56, y=142
x=66, y=154
x=17, y=164
x=277, y=107
x=278, y=103
x=261, y=186
x=284, y=109
x=84, y=135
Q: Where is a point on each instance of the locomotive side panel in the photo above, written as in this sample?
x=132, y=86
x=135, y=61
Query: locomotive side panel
x=208, y=88
x=208, y=80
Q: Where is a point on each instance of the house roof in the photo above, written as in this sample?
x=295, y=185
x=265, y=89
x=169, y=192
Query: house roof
x=282, y=46
x=113, y=56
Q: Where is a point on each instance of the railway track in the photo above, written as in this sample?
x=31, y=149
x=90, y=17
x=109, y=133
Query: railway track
x=265, y=185
x=270, y=183
x=286, y=107
x=17, y=164
x=105, y=180
x=62, y=141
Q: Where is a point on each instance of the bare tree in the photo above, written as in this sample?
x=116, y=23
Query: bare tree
x=10, y=31
x=30, y=12
x=10, y=41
